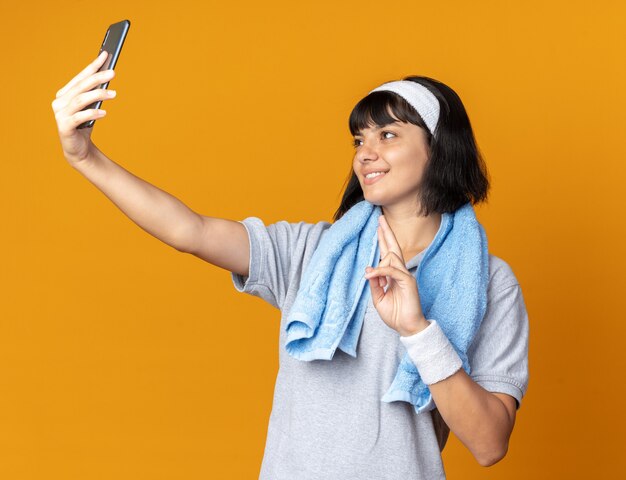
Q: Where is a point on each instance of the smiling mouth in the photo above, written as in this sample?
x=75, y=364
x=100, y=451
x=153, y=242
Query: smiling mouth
x=374, y=179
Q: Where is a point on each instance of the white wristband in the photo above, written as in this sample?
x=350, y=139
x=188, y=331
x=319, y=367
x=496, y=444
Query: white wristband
x=433, y=354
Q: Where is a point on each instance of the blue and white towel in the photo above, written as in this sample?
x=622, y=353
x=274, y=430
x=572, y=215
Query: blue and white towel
x=452, y=280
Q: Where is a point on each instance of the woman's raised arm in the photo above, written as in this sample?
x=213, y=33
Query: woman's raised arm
x=221, y=242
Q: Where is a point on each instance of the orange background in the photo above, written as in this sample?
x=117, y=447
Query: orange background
x=123, y=358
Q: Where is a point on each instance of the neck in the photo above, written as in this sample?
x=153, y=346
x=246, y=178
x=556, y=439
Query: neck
x=413, y=233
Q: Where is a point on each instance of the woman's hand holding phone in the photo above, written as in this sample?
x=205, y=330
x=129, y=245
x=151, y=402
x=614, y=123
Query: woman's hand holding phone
x=78, y=93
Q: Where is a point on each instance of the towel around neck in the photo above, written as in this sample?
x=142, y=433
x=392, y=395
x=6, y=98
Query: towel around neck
x=329, y=308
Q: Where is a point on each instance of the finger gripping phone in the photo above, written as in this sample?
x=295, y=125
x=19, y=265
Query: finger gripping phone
x=112, y=43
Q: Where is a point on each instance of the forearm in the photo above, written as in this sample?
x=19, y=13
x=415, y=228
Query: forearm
x=477, y=417
x=154, y=210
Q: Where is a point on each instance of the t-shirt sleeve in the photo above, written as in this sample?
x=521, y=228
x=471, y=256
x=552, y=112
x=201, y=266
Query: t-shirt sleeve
x=498, y=355
x=277, y=252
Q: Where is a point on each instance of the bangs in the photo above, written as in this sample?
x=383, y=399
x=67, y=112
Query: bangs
x=382, y=108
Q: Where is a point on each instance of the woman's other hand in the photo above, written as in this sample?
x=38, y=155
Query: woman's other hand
x=398, y=306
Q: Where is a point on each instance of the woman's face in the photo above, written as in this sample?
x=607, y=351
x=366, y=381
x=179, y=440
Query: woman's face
x=401, y=151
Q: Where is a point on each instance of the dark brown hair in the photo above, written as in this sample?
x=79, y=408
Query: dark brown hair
x=455, y=172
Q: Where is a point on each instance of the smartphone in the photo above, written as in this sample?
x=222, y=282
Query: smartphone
x=112, y=43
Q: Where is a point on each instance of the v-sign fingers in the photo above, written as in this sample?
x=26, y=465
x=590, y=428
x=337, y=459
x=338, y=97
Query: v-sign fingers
x=391, y=243
x=385, y=259
x=393, y=260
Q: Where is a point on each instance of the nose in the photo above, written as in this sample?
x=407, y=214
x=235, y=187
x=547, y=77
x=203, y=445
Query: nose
x=366, y=152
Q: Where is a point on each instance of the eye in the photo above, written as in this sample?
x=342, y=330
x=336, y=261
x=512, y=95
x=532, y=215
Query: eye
x=355, y=142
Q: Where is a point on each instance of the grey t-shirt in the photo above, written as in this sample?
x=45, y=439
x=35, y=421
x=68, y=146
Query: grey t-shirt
x=328, y=421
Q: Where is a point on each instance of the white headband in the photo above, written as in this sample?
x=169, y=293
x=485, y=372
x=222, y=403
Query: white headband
x=419, y=97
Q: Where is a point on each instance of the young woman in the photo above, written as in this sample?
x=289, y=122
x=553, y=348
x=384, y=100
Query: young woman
x=412, y=328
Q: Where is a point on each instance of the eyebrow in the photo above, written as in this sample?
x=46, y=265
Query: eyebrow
x=380, y=128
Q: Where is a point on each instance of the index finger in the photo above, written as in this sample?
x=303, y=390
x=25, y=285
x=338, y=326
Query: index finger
x=88, y=70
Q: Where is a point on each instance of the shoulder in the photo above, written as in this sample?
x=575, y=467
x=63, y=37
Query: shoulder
x=299, y=234
x=285, y=242
x=506, y=318
x=498, y=354
x=501, y=275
